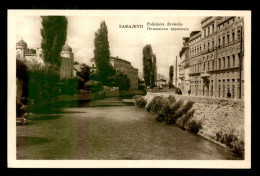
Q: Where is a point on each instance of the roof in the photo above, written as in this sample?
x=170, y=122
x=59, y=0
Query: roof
x=67, y=48
x=193, y=33
x=21, y=43
x=115, y=58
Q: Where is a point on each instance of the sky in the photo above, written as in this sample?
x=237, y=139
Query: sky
x=126, y=43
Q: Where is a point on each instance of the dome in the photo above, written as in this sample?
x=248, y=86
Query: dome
x=21, y=43
x=67, y=48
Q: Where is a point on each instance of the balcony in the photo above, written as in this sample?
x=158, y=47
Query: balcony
x=205, y=74
x=181, y=75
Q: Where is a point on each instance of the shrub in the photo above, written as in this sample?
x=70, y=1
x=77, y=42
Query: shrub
x=140, y=102
x=165, y=111
x=171, y=99
x=238, y=147
x=43, y=83
x=231, y=141
x=119, y=79
x=181, y=122
x=93, y=86
x=69, y=86
x=156, y=104
x=182, y=111
x=170, y=117
x=194, y=126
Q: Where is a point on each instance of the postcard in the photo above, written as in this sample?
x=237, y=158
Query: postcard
x=129, y=89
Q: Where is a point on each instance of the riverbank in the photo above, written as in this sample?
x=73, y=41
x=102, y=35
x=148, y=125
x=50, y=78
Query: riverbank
x=222, y=120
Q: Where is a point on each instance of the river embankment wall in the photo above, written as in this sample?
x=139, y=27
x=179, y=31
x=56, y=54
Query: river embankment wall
x=221, y=119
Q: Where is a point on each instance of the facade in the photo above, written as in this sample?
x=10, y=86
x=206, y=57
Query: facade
x=67, y=62
x=24, y=54
x=161, y=79
x=184, y=78
x=123, y=66
x=214, y=58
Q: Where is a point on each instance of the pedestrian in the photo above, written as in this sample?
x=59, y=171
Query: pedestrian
x=228, y=94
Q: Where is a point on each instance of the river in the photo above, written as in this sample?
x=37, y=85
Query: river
x=110, y=129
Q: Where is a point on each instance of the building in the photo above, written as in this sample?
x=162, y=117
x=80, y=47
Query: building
x=67, y=62
x=123, y=66
x=214, y=58
x=161, y=80
x=25, y=54
x=184, y=78
x=67, y=58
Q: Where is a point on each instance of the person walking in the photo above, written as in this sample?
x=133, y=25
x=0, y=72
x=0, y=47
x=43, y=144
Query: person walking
x=228, y=94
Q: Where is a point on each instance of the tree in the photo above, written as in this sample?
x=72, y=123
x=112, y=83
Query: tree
x=153, y=71
x=171, y=76
x=120, y=80
x=102, y=54
x=22, y=74
x=147, y=63
x=84, y=75
x=32, y=51
x=54, y=34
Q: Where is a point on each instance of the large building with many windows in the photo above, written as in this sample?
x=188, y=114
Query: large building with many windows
x=184, y=83
x=123, y=66
x=216, y=58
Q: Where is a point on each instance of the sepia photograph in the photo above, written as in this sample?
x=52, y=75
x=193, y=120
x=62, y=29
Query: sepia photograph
x=129, y=89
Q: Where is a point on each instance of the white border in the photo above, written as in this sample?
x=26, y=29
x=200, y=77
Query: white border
x=13, y=163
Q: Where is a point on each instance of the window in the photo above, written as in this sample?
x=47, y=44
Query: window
x=219, y=63
x=213, y=28
x=212, y=68
x=213, y=44
x=208, y=30
x=219, y=42
x=233, y=91
x=223, y=91
x=234, y=61
x=219, y=88
x=227, y=39
x=205, y=33
x=228, y=62
x=223, y=62
x=223, y=40
x=238, y=34
x=233, y=37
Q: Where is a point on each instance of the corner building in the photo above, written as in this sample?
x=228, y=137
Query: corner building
x=214, y=56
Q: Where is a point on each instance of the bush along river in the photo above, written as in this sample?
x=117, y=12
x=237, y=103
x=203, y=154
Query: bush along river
x=110, y=129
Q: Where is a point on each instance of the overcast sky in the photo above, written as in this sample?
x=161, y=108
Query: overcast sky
x=124, y=43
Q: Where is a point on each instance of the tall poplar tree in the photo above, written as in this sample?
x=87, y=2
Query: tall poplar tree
x=147, y=63
x=153, y=71
x=102, y=54
x=171, y=76
x=54, y=35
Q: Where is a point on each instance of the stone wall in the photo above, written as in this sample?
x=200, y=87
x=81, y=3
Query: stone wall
x=218, y=116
